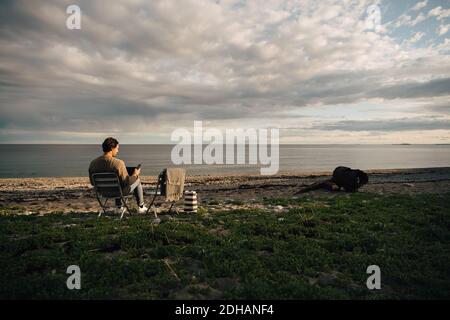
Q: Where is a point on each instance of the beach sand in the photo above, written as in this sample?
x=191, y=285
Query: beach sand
x=224, y=192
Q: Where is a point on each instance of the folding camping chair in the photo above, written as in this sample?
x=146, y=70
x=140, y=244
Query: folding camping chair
x=107, y=186
x=162, y=186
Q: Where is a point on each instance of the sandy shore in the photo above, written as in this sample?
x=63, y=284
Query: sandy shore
x=74, y=194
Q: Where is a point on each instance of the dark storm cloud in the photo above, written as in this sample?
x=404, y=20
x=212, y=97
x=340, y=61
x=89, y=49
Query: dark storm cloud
x=432, y=88
x=386, y=125
x=443, y=108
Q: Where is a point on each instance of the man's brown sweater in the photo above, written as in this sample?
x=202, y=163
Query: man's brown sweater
x=111, y=164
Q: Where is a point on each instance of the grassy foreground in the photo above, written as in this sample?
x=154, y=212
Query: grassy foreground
x=318, y=250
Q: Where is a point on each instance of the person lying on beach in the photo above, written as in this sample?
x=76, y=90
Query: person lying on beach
x=343, y=177
x=109, y=163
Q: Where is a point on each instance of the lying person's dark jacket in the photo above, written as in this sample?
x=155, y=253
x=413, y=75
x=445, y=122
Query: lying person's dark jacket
x=343, y=177
x=349, y=179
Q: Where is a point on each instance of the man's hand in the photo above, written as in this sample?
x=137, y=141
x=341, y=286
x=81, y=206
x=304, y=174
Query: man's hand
x=137, y=172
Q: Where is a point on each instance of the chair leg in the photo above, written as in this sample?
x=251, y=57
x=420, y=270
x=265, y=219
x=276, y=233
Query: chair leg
x=102, y=205
x=154, y=209
x=125, y=202
x=154, y=198
x=170, y=209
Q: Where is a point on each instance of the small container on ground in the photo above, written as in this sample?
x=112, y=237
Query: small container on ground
x=190, y=201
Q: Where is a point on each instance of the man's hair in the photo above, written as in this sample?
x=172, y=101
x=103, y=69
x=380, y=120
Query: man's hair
x=109, y=144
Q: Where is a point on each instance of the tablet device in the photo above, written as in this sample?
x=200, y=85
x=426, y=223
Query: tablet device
x=131, y=169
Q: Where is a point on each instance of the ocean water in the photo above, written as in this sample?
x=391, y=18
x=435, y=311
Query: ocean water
x=19, y=160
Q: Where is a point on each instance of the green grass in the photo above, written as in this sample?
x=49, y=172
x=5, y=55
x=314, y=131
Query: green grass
x=320, y=249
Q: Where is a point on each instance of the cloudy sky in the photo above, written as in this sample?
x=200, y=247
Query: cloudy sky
x=321, y=71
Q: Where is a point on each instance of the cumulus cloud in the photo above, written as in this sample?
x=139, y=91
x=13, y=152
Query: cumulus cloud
x=443, y=29
x=407, y=20
x=415, y=38
x=439, y=13
x=420, y=5
x=147, y=66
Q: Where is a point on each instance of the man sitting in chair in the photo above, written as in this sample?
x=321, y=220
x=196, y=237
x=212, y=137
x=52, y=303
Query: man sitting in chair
x=109, y=163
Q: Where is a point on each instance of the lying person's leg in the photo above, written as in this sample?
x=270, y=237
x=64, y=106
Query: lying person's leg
x=327, y=184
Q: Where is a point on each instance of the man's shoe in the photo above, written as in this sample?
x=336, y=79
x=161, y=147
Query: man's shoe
x=142, y=209
x=120, y=210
